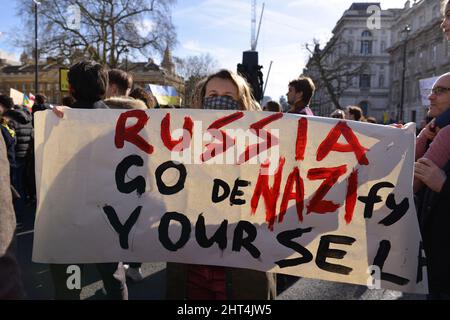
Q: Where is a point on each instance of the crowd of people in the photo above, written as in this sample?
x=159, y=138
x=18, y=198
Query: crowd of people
x=92, y=86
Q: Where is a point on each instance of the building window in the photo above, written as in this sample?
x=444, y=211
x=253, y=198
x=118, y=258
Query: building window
x=366, y=44
x=433, y=53
x=381, y=81
x=350, y=47
x=364, y=81
x=383, y=47
x=366, y=47
x=421, y=21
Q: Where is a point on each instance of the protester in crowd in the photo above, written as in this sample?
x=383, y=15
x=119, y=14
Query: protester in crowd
x=8, y=134
x=88, y=84
x=354, y=113
x=139, y=93
x=40, y=103
x=434, y=143
x=300, y=94
x=273, y=106
x=119, y=88
x=20, y=120
x=338, y=114
x=433, y=200
x=120, y=83
x=10, y=280
x=223, y=90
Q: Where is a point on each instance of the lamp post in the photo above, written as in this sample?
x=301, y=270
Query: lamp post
x=406, y=30
x=36, y=54
x=126, y=58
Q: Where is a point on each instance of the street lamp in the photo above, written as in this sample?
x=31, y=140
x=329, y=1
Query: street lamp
x=126, y=58
x=406, y=30
x=36, y=55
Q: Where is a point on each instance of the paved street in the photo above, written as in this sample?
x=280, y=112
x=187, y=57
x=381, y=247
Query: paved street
x=38, y=284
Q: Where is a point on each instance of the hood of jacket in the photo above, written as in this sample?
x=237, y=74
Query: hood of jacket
x=125, y=103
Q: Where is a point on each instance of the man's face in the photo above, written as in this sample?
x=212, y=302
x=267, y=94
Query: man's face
x=2, y=109
x=440, y=96
x=293, y=96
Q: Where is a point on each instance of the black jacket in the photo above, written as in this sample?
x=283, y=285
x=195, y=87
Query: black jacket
x=434, y=221
x=40, y=107
x=9, y=142
x=21, y=122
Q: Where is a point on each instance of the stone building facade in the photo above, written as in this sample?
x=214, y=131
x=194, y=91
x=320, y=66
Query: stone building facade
x=358, y=50
x=20, y=76
x=427, y=55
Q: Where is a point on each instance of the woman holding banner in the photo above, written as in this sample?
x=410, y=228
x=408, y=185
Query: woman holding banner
x=223, y=90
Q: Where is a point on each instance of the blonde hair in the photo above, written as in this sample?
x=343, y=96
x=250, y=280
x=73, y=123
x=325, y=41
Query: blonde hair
x=246, y=100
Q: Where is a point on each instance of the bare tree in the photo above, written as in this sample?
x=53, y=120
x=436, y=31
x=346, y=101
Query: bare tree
x=105, y=30
x=193, y=69
x=335, y=75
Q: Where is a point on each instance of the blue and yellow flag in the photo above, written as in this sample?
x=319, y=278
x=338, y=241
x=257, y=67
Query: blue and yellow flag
x=165, y=95
x=27, y=102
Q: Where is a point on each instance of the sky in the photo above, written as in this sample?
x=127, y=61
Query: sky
x=223, y=29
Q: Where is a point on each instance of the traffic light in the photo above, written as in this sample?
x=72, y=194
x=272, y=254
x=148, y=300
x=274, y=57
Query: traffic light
x=251, y=71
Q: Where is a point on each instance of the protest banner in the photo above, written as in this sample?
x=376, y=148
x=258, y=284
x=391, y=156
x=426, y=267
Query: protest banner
x=307, y=196
x=425, y=86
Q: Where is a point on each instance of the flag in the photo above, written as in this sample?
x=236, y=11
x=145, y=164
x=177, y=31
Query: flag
x=165, y=95
x=27, y=102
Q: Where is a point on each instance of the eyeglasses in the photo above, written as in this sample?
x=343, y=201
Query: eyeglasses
x=439, y=90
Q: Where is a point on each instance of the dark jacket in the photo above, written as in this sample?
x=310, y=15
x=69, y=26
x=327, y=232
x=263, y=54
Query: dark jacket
x=434, y=221
x=21, y=123
x=10, y=145
x=89, y=105
x=10, y=282
x=40, y=107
